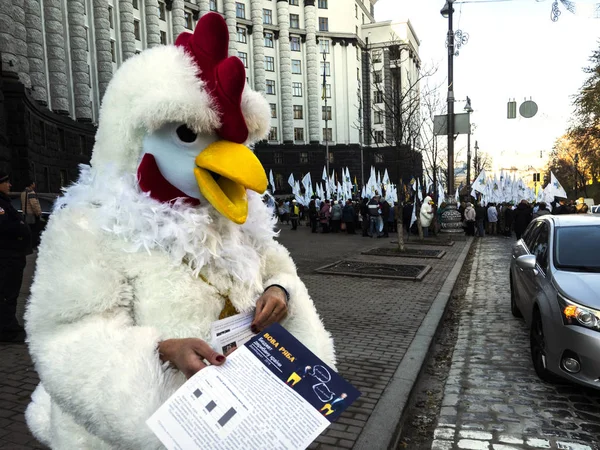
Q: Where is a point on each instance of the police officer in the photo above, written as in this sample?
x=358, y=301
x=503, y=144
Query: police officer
x=15, y=244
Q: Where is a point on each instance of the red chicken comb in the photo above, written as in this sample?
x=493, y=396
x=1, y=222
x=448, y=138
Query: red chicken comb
x=225, y=77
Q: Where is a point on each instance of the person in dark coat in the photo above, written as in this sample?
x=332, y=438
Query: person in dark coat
x=364, y=212
x=480, y=217
x=509, y=217
x=313, y=215
x=523, y=216
x=348, y=217
x=385, y=213
x=15, y=245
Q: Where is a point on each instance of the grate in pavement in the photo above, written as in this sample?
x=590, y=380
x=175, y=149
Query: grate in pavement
x=407, y=253
x=363, y=269
x=416, y=241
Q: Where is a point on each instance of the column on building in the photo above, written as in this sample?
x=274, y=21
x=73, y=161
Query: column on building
x=258, y=46
x=387, y=92
x=10, y=63
x=78, y=38
x=204, y=6
x=231, y=21
x=20, y=35
x=35, y=51
x=312, y=70
x=152, y=23
x=178, y=18
x=55, y=50
x=285, y=71
x=127, y=28
x=103, y=53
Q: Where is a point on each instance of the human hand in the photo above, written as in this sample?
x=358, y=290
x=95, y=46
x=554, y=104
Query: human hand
x=271, y=307
x=188, y=354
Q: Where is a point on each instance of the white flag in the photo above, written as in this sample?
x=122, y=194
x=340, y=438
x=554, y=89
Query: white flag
x=480, y=182
x=291, y=180
x=272, y=181
x=557, y=189
x=324, y=176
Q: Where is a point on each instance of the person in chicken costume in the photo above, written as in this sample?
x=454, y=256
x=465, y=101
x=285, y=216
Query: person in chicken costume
x=163, y=234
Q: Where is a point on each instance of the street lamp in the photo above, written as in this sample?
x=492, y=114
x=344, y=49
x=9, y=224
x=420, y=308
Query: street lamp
x=469, y=110
x=324, y=95
x=447, y=12
x=576, y=161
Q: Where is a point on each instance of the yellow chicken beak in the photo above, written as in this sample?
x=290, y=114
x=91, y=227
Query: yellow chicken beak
x=224, y=170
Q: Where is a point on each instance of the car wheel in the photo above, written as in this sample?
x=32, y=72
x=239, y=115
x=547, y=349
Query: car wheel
x=514, y=309
x=538, y=349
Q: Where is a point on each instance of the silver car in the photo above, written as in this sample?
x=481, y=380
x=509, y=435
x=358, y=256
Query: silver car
x=555, y=287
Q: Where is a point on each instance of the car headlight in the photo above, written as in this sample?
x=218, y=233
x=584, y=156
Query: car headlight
x=574, y=314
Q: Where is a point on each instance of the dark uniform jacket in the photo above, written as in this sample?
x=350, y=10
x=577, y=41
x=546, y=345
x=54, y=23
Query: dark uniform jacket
x=15, y=237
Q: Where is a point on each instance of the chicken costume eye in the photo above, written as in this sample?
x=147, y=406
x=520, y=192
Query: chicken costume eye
x=185, y=134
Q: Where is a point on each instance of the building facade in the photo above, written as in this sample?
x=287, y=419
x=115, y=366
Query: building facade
x=323, y=65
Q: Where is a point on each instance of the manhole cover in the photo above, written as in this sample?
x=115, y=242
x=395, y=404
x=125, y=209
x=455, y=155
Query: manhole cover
x=374, y=270
x=426, y=242
x=407, y=253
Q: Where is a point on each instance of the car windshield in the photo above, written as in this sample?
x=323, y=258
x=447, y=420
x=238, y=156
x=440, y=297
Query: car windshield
x=578, y=248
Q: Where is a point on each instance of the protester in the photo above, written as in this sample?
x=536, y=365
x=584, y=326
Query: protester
x=324, y=215
x=385, y=215
x=426, y=214
x=348, y=216
x=542, y=210
x=509, y=214
x=470, y=216
x=364, y=214
x=15, y=244
x=523, y=216
x=374, y=215
x=336, y=217
x=313, y=215
x=480, y=214
x=581, y=207
x=294, y=214
x=492, y=215
x=32, y=211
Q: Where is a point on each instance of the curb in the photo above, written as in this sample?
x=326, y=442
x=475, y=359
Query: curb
x=382, y=429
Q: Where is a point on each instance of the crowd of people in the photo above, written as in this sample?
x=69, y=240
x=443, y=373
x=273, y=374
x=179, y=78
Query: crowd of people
x=505, y=218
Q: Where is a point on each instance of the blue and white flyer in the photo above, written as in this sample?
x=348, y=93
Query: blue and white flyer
x=271, y=393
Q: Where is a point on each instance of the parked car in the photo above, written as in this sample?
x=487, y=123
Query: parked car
x=555, y=287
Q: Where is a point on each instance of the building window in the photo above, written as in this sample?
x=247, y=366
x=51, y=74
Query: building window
x=324, y=46
x=376, y=56
x=163, y=37
x=322, y=4
x=240, y=10
x=363, y=19
x=323, y=24
x=189, y=21
x=326, y=110
x=162, y=12
x=294, y=21
x=357, y=53
x=378, y=117
x=327, y=134
x=303, y=157
x=331, y=161
x=278, y=158
x=298, y=112
x=297, y=89
x=294, y=3
x=267, y=17
x=269, y=40
x=357, y=73
x=213, y=5
x=135, y=4
x=379, y=137
x=395, y=52
x=295, y=43
x=273, y=134
x=356, y=11
x=378, y=157
x=377, y=76
x=136, y=29
x=269, y=64
x=111, y=21
x=325, y=67
x=273, y=110
x=298, y=134
x=244, y=57
x=378, y=97
x=296, y=66
x=327, y=91
x=241, y=35
x=271, y=87
x=113, y=52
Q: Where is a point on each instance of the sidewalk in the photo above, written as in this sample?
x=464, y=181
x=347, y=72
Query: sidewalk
x=382, y=330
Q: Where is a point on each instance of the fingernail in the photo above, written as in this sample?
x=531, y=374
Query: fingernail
x=220, y=358
x=254, y=328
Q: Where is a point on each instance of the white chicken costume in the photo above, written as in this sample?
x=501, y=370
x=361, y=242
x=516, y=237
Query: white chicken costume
x=159, y=236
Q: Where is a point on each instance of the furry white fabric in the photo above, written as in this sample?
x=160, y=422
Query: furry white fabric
x=116, y=273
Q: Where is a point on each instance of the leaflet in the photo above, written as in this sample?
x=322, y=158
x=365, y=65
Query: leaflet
x=232, y=332
x=272, y=393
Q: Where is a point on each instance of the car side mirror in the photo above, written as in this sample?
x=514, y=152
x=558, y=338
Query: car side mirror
x=526, y=262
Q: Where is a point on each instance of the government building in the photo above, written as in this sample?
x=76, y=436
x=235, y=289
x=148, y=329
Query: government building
x=340, y=85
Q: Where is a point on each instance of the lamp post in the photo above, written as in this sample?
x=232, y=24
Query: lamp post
x=469, y=110
x=447, y=12
x=576, y=161
x=476, y=158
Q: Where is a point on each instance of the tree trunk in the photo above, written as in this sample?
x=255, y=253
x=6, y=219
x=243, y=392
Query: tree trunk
x=400, y=227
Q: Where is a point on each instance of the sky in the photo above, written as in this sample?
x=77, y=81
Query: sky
x=515, y=52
